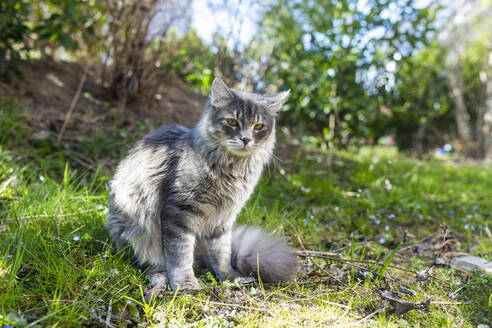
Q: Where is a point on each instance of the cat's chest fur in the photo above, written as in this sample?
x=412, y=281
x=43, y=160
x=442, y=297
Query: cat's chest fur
x=217, y=192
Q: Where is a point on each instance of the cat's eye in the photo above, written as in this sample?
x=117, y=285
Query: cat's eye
x=232, y=122
x=258, y=126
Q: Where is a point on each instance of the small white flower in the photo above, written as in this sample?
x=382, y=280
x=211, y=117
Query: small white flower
x=382, y=240
x=76, y=238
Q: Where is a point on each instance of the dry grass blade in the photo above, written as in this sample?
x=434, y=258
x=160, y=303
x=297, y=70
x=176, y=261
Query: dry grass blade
x=238, y=306
x=32, y=217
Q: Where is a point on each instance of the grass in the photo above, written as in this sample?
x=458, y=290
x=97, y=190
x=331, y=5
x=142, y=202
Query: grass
x=57, y=266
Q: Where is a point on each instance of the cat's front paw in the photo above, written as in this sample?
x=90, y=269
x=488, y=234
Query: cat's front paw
x=153, y=292
x=185, y=283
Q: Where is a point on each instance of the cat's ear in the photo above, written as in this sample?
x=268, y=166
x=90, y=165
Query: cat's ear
x=276, y=101
x=220, y=94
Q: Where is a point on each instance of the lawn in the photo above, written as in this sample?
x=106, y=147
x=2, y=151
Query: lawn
x=363, y=221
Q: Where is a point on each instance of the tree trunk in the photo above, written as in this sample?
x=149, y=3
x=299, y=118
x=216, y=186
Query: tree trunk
x=462, y=116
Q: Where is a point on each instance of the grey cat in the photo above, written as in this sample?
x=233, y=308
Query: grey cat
x=175, y=197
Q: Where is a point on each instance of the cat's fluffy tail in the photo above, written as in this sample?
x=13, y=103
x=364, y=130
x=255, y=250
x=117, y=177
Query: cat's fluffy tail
x=252, y=247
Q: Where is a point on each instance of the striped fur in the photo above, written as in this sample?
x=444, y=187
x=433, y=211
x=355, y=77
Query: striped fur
x=175, y=197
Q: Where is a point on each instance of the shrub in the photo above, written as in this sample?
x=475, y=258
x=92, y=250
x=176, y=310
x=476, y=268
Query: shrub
x=14, y=33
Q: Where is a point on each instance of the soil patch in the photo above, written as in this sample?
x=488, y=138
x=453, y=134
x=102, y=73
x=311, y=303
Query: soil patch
x=47, y=89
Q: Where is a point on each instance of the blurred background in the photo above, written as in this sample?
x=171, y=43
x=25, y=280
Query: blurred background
x=415, y=74
x=383, y=155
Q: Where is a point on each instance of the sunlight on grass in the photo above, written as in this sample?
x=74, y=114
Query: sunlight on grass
x=58, y=267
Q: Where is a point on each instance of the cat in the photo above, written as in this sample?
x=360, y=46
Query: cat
x=175, y=197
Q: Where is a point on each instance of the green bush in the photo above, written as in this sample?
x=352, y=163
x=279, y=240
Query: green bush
x=14, y=33
x=27, y=25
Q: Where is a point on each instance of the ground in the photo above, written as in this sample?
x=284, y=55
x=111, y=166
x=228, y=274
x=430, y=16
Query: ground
x=364, y=222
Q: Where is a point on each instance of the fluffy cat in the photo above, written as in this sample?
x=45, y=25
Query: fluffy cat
x=175, y=197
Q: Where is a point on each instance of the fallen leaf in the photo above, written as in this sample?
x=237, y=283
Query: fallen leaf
x=402, y=306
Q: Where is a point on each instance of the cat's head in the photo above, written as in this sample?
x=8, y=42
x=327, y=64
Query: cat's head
x=242, y=122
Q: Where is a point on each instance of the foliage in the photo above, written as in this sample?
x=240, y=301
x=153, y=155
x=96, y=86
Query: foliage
x=189, y=58
x=14, y=33
x=26, y=25
x=196, y=62
x=420, y=110
x=335, y=55
x=67, y=23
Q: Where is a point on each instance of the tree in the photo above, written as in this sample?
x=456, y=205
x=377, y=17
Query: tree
x=337, y=56
x=421, y=115
x=468, y=35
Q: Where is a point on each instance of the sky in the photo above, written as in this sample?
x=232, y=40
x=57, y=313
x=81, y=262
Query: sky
x=206, y=21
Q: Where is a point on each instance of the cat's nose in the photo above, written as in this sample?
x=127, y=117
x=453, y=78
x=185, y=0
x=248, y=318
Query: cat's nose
x=246, y=140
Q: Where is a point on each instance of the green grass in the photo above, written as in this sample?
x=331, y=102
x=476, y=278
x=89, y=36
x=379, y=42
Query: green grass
x=57, y=267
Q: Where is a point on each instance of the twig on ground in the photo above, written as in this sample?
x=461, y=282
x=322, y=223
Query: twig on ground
x=81, y=162
x=328, y=274
x=234, y=306
x=297, y=235
x=301, y=253
x=74, y=102
x=328, y=257
x=453, y=294
x=452, y=303
x=446, y=231
x=415, y=243
x=320, y=253
x=402, y=306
